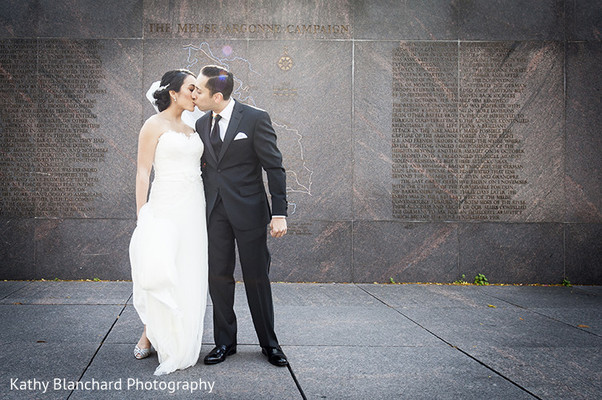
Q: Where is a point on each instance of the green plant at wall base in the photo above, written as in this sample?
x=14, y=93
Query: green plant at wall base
x=96, y=280
x=566, y=282
x=480, y=279
x=461, y=281
x=391, y=280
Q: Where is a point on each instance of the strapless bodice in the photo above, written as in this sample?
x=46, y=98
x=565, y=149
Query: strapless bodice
x=177, y=157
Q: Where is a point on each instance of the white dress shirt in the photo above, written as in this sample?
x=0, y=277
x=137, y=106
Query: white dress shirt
x=226, y=115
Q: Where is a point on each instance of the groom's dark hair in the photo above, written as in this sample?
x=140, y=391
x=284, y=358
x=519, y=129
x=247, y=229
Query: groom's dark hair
x=220, y=80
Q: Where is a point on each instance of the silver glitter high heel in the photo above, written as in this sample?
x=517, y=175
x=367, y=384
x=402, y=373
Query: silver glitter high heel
x=141, y=353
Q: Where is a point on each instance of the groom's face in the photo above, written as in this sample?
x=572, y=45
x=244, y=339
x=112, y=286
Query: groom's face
x=202, y=96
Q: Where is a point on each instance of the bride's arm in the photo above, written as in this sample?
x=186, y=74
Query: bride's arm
x=147, y=143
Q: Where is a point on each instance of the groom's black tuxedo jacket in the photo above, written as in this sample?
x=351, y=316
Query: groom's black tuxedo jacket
x=235, y=174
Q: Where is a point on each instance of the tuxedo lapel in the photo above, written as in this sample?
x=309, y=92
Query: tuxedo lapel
x=232, y=128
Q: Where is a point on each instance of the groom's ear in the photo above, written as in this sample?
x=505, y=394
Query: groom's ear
x=218, y=97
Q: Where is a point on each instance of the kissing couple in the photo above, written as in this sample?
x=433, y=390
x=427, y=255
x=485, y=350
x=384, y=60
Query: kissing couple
x=207, y=198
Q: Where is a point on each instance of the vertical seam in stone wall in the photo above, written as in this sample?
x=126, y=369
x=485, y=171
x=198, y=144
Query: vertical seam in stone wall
x=36, y=263
x=458, y=271
x=565, y=20
x=457, y=217
x=353, y=133
x=564, y=133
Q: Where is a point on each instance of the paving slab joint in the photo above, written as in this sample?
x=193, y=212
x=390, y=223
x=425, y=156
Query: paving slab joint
x=457, y=348
x=15, y=291
x=101, y=343
x=290, y=369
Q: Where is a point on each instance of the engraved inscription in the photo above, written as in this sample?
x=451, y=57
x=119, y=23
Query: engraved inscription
x=231, y=29
x=455, y=152
x=68, y=151
x=18, y=125
x=491, y=92
x=285, y=91
x=299, y=229
x=50, y=133
x=424, y=131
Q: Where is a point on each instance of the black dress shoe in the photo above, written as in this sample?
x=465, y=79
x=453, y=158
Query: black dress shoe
x=219, y=354
x=275, y=356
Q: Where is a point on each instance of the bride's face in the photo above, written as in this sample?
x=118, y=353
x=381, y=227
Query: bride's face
x=185, y=95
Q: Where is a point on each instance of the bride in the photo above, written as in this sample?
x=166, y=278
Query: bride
x=168, y=249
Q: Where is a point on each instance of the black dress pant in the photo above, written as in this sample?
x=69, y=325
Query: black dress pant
x=255, y=264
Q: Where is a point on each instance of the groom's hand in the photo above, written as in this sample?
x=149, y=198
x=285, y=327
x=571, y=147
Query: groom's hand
x=278, y=227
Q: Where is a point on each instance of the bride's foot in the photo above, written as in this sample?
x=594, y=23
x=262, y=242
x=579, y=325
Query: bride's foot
x=141, y=353
x=143, y=347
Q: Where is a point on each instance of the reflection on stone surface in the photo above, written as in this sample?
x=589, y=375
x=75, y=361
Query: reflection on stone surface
x=468, y=132
x=510, y=120
x=313, y=251
x=90, y=242
x=404, y=252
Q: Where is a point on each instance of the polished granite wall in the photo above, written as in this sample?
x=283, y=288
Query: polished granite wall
x=423, y=140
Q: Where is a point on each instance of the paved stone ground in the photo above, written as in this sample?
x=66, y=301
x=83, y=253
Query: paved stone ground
x=344, y=341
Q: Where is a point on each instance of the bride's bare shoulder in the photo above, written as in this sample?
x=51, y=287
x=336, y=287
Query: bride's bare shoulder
x=153, y=126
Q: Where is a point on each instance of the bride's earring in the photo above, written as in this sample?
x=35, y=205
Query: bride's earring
x=174, y=99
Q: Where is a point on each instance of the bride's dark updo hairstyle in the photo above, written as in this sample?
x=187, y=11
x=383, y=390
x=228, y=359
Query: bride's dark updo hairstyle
x=171, y=80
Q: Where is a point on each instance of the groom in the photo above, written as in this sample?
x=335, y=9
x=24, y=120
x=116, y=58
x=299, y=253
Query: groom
x=239, y=142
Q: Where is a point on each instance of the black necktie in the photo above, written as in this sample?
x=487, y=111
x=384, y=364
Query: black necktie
x=216, y=140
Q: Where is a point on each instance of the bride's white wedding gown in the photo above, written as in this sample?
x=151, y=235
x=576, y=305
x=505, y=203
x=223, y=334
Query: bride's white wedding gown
x=168, y=254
